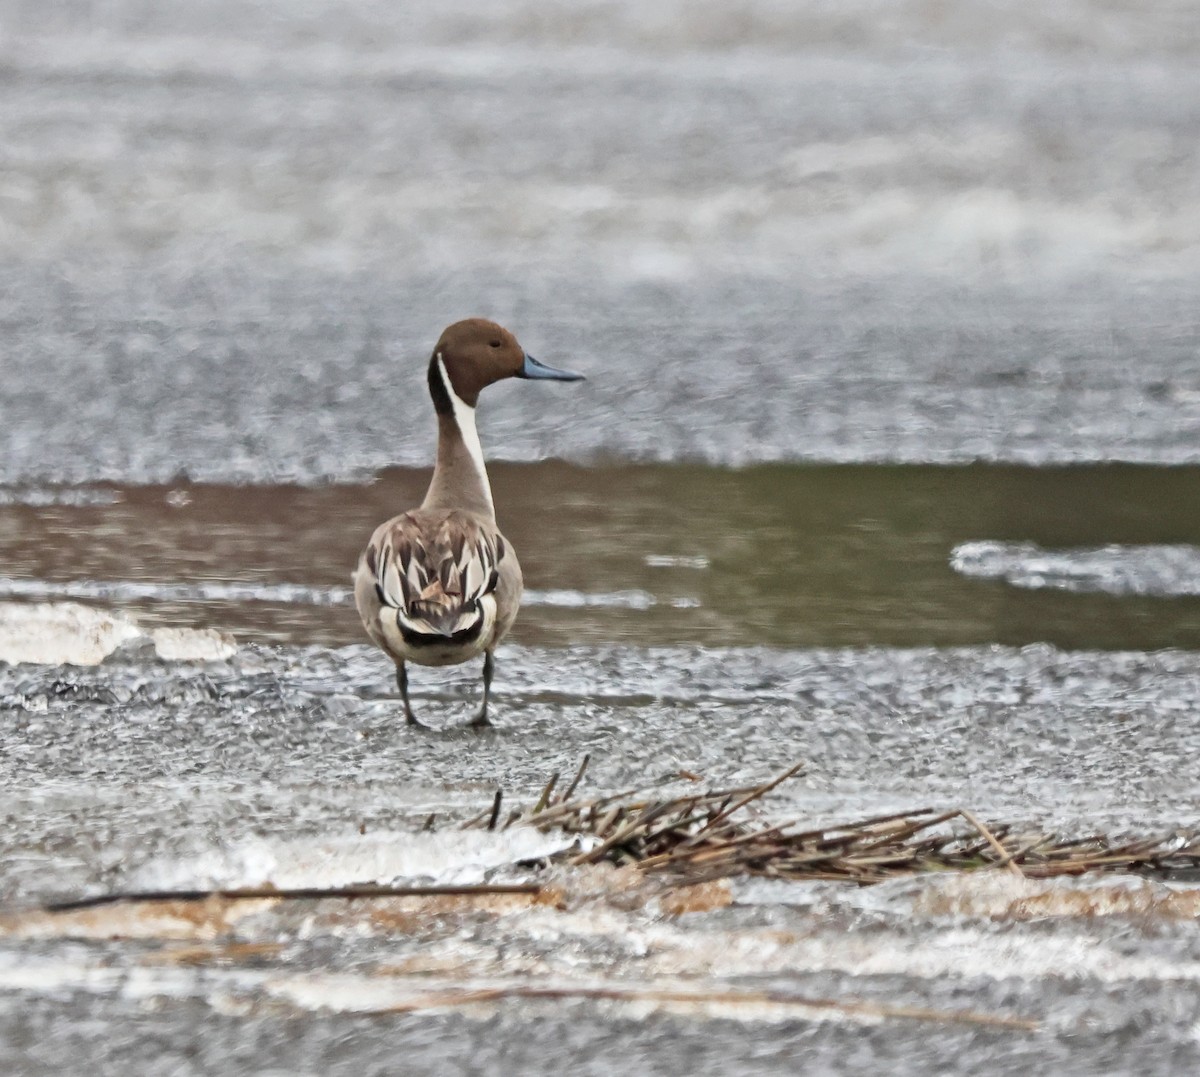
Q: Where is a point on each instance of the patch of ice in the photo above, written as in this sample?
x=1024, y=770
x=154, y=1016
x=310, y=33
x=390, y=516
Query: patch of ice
x=48, y=975
x=193, y=644
x=986, y=895
x=385, y=858
x=666, y=560
x=61, y=634
x=65, y=633
x=44, y=496
x=163, y=591
x=1115, y=570
x=289, y=594
x=1002, y=896
x=478, y=997
x=625, y=600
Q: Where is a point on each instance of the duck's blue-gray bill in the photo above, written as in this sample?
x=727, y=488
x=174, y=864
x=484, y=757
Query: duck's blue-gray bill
x=534, y=369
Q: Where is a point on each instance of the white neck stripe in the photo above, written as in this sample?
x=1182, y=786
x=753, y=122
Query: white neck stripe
x=464, y=418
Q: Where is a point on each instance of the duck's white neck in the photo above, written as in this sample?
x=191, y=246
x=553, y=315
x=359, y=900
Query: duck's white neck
x=460, y=478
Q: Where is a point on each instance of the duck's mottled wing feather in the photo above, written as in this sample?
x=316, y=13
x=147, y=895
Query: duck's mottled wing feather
x=390, y=582
x=414, y=565
x=452, y=562
x=475, y=567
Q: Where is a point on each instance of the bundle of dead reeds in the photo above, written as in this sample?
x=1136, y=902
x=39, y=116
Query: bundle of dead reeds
x=712, y=835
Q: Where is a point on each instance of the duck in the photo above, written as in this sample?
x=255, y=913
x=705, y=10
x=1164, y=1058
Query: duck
x=439, y=585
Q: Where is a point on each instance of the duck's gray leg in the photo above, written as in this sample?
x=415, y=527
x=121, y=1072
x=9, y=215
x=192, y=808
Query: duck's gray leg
x=481, y=719
x=402, y=684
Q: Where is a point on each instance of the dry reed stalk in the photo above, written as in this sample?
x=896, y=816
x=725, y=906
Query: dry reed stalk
x=704, y=836
x=666, y=996
x=707, y=836
x=308, y=893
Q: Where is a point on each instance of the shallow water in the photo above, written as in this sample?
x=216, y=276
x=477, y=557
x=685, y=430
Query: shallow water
x=781, y=555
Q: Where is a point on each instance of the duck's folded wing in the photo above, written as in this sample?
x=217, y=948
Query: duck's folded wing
x=437, y=575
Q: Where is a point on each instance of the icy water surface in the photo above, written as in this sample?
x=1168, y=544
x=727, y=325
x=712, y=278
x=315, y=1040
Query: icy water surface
x=290, y=764
x=771, y=234
x=232, y=231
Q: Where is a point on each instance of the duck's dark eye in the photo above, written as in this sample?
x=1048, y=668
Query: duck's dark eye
x=495, y=344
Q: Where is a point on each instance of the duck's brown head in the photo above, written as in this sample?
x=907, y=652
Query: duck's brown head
x=475, y=353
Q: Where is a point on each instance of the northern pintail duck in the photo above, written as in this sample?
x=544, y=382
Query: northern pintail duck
x=439, y=585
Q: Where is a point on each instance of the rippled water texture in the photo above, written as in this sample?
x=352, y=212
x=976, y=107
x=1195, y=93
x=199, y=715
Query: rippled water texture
x=787, y=556
x=231, y=232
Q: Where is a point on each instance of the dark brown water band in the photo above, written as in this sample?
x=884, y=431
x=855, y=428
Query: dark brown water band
x=777, y=555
